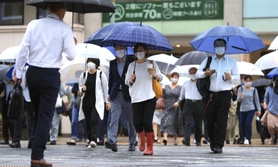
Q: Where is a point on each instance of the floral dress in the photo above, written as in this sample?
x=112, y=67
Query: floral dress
x=171, y=122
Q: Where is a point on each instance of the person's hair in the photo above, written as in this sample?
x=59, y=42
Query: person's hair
x=136, y=46
x=175, y=73
x=247, y=76
x=56, y=6
x=220, y=39
x=94, y=60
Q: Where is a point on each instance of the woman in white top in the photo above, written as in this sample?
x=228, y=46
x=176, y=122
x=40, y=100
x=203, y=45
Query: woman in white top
x=139, y=80
x=94, y=86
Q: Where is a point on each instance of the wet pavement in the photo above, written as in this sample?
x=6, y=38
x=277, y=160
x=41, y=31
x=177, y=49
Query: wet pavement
x=170, y=155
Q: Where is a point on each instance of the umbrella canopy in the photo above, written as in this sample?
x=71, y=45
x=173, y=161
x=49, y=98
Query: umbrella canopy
x=10, y=54
x=163, y=58
x=98, y=37
x=261, y=82
x=3, y=72
x=87, y=50
x=79, y=6
x=165, y=80
x=193, y=57
x=165, y=68
x=239, y=40
x=184, y=70
x=274, y=44
x=273, y=73
x=248, y=69
x=112, y=50
x=130, y=35
x=268, y=61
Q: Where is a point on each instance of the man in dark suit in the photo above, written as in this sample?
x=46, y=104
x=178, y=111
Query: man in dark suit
x=120, y=99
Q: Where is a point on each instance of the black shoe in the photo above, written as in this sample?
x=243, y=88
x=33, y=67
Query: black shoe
x=136, y=143
x=87, y=144
x=131, y=147
x=227, y=141
x=241, y=142
x=111, y=146
x=30, y=143
x=186, y=142
x=217, y=150
x=198, y=144
x=15, y=145
x=71, y=143
x=211, y=147
x=4, y=142
x=101, y=143
x=52, y=143
x=165, y=142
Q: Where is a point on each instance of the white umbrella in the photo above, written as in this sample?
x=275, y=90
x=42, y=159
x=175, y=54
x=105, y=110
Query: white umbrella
x=9, y=54
x=274, y=44
x=164, y=58
x=183, y=70
x=268, y=61
x=165, y=80
x=93, y=51
x=248, y=68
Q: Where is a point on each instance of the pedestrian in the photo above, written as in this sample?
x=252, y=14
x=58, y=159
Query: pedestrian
x=120, y=99
x=139, y=79
x=42, y=45
x=27, y=118
x=156, y=125
x=270, y=118
x=249, y=104
x=192, y=109
x=223, y=72
x=93, y=85
x=170, y=114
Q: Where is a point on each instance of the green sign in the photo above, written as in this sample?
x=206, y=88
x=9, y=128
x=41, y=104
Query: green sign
x=167, y=10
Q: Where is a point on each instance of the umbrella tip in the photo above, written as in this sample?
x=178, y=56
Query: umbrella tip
x=140, y=23
x=227, y=23
x=111, y=15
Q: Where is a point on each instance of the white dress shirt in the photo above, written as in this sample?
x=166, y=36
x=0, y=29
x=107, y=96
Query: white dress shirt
x=43, y=43
x=225, y=64
x=189, y=91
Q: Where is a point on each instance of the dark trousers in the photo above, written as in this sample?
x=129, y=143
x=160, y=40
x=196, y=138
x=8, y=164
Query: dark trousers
x=102, y=126
x=193, y=110
x=91, y=117
x=217, y=116
x=43, y=84
x=7, y=125
x=26, y=118
x=143, y=115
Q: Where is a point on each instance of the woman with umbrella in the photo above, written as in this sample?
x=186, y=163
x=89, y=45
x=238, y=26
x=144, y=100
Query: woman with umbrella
x=139, y=79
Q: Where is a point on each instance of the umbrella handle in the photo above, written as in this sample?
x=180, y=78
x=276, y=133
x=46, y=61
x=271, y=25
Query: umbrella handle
x=134, y=77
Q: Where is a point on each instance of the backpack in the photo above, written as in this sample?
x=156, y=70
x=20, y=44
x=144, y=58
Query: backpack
x=15, y=103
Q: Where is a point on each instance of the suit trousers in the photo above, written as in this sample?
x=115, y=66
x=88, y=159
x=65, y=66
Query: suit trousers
x=120, y=107
x=43, y=84
x=193, y=110
x=217, y=116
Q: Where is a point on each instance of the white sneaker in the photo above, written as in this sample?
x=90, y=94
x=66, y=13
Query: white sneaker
x=92, y=144
x=246, y=141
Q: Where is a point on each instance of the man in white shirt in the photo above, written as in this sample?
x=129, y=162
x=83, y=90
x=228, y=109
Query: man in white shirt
x=43, y=43
x=192, y=109
x=223, y=72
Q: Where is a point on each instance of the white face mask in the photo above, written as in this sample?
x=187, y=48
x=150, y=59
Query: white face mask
x=91, y=66
x=120, y=53
x=219, y=50
x=248, y=84
x=192, y=76
x=174, y=80
x=140, y=55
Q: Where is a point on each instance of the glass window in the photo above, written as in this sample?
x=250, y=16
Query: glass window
x=41, y=13
x=11, y=12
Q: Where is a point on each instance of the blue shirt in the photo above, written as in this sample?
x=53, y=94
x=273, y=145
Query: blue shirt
x=249, y=101
x=271, y=99
x=120, y=67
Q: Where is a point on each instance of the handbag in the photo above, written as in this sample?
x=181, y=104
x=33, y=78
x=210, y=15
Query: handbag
x=58, y=101
x=160, y=103
x=203, y=84
x=156, y=86
x=62, y=109
x=15, y=103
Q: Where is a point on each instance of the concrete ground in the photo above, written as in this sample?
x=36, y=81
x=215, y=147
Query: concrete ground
x=170, y=155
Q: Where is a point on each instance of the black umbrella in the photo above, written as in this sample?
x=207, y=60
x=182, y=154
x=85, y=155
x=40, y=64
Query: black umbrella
x=79, y=6
x=261, y=82
x=193, y=57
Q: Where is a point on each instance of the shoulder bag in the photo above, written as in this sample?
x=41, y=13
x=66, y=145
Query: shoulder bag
x=156, y=85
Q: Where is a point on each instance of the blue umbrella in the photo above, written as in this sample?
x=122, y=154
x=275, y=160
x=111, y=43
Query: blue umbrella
x=9, y=74
x=273, y=73
x=239, y=40
x=98, y=37
x=130, y=35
